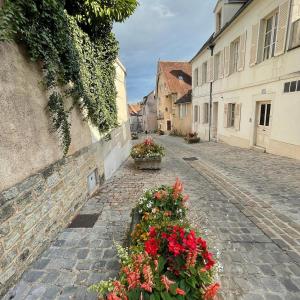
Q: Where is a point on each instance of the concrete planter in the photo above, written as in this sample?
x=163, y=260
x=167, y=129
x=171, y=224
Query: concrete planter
x=148, y=163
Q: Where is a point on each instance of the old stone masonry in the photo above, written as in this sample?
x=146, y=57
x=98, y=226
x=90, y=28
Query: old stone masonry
x=247, y=205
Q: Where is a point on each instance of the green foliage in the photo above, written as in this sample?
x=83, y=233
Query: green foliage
x=77, y=50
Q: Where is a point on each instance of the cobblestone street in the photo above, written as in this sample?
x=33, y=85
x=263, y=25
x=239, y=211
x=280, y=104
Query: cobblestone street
x=245, y=203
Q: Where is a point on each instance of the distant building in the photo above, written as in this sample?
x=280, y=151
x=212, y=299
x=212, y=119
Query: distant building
x=149, y=112
x=135, y=117
x=173, y=95
x=246, y=77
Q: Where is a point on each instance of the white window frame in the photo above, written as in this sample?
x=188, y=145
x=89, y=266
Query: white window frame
x=182, y=111
x=268, y=49
x=234, y=55
x=231, y=114
x=204, y=72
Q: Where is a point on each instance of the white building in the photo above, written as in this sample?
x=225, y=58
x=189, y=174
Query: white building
x=246, y=78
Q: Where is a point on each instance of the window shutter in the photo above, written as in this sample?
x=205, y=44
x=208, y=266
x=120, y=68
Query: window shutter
x=203, y=113
x=200, y=75
x=283, y=18
x=226, y=61
x=237, y=116
x=225, y=115
x=211, y=69
x=221, y=64
x=254, y=45
x=242, y=52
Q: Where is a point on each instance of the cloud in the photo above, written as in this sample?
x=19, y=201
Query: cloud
x=161, y=29
x=163, y=11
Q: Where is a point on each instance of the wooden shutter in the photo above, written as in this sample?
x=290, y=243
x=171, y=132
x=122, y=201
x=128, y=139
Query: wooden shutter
x=254, y=44
x=225, y=115
x=237, y=116
x=226, y=61
x=221, y=64
x=211, y=69
x=242, y=51
x=283, y=18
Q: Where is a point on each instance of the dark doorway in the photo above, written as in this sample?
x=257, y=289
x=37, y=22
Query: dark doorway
x=169, y=125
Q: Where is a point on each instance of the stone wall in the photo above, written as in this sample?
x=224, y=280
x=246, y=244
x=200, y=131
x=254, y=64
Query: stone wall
x=33, y=211
x=40, y=192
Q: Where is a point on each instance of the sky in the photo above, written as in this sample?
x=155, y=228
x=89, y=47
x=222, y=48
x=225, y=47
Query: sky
x=161, y=30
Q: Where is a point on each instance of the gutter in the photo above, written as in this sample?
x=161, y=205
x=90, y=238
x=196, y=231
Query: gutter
x=211, y=47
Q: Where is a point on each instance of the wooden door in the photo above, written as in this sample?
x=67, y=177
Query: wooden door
x=263, y=123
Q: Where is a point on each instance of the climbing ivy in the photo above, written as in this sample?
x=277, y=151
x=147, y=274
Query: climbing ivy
x=74, y=42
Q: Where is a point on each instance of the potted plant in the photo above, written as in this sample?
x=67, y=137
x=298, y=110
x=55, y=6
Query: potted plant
x=192, y=138
x=147, y=155
x=161, y=132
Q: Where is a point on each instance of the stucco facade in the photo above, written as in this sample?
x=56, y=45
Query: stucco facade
x=249, y=105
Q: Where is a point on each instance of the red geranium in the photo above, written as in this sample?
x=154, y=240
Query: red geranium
x=151, y=246
x=211, y=291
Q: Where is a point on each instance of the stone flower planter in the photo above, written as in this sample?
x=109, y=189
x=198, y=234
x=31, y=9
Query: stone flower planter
x=192, y=140
x=148, y=163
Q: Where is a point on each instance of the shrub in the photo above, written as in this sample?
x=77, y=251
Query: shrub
x=147, y=149
x=168, y=259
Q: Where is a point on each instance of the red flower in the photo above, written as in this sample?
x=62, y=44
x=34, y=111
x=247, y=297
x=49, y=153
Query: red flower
x=148, y=141
x=185, y=198
x=211, y=291
x=202, y=243
x=113, y=296
x=209, y=260
x=180, y=292
x=152, y=231
x=147, y=287
x=158, y=195
x=151, y=247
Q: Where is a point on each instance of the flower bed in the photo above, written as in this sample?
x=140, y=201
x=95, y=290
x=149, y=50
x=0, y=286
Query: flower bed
x=147, y=155
x=167, y=258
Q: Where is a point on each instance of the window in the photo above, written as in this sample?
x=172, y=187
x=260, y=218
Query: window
x=180, y=77
x=196, y=114
x=219, y=20
x=234, y=49
x=295, y=37
x=265, y=111
x=292, y=86
x=270, y=36
x=204, y=72
x=217, y=66
x=231, y=114
x=182, y=111
x=166, y=109
x=196, y=78
x=206, y=112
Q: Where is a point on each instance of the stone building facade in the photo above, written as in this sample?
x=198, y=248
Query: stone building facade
x=149, y=112
x=173, y=96
x=40, y=192
x=246, y=77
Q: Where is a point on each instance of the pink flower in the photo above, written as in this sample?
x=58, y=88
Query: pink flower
x=166, y=282
x=180, y=292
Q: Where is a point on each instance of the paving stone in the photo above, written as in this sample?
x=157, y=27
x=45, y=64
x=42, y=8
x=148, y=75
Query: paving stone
x=253, y=266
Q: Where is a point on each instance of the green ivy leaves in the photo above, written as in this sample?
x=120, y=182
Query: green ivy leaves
x=74, y=42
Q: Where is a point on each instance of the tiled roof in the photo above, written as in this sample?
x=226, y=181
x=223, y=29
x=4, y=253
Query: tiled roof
x=178, y=76
x=187, y=98
x=134, y=109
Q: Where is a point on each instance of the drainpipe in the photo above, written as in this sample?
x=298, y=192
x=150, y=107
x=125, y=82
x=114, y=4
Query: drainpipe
x=211, y=47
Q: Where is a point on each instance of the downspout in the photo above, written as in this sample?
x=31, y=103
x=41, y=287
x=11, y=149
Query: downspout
x=211, y=47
